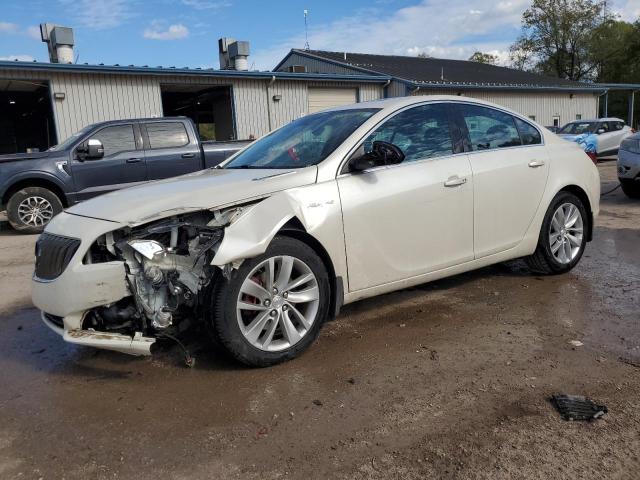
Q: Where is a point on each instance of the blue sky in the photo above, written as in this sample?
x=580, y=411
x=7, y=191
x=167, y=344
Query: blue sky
x=185, y=32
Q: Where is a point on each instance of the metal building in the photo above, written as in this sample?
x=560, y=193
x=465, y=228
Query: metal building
x=548, y=100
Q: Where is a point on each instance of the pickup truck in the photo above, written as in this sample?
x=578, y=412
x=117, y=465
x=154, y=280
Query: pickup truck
x=100, y=158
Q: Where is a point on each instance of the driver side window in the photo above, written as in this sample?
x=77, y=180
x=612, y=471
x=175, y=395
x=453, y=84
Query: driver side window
x=420, y=132
x=116, y=139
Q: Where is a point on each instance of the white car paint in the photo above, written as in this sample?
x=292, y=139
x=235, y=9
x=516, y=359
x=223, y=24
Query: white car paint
x=608, y=136
x=382, y=229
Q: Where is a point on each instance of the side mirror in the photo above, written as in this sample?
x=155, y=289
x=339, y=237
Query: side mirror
x=92, y=149
x=601, y=131
x=383, y=153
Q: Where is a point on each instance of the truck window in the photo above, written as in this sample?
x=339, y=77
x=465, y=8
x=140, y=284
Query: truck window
x=116, y=139
x=166, y=135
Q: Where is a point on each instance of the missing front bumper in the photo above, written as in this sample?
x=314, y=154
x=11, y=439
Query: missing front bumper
x=136, y=345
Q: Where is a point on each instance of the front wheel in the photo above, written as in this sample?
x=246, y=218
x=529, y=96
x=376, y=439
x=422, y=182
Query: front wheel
x=631, y=188
x=272, y=307
x=563, y=236
x=31, y=208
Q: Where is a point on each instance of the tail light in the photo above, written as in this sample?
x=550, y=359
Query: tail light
x=593, y=156
x=633, y=130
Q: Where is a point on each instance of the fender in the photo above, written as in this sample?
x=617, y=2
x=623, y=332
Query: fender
x=34, y=175
x=316, y=206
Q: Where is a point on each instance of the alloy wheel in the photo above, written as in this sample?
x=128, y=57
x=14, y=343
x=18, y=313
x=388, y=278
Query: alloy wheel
x=35, y=211
x=566, y=233
x=278, y=303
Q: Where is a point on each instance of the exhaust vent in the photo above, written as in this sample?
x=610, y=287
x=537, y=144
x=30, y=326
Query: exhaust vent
x=233, y=54
x=59, y=41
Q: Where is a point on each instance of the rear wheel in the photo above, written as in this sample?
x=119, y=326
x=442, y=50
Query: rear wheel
x=631, y=188
x=562, y=238
x=272, y=307
x=31, y=208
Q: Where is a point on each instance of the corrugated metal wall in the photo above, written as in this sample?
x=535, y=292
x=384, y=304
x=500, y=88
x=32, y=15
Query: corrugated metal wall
x=318, y=66
x=543, y=105
x=396, y=89
x=91, y=98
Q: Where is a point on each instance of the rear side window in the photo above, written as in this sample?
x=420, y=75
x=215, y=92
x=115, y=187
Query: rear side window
x=489, y=128
x=166, y=135
x=420, y=132
x=116, y=139
x=618, y=125
x=528, y=133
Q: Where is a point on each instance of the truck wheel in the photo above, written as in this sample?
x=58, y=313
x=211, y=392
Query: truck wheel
x=631, y=188
x=273, y=306
x=562, y=237
x=31, y=208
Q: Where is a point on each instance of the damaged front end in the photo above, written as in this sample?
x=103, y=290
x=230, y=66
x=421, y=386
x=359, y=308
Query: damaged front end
x=168, y=271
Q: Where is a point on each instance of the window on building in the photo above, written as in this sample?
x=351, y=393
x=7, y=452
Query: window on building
x=532, y=117
x=489, y=128
x=556, y=121
x=116, y=139
x=166, y=135
x=528, y=133
x=578, y=116
x=420, y=132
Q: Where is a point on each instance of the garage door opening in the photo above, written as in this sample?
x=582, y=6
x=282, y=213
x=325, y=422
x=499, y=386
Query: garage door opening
x=26, y=117
x=210, y=108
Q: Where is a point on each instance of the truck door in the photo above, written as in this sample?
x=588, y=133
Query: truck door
x=121, y=166
x=169, y=150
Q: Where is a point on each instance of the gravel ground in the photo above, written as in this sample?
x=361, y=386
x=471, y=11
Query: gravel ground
x=446, y=380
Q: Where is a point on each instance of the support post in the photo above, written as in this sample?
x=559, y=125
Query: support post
x=606, y=104
x=632, y=98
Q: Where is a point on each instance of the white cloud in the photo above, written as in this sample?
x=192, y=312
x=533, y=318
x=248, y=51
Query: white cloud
x=33, y=32
x=206, y=4
x=99, y=15
x=6, y=27
x=173, y=32
x=439, y=28
x=19, y=58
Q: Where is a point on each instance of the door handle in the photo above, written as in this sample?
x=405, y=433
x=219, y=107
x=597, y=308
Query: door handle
x=134, y=160
x=188, y=155
x=455, y=182
x=536, y=163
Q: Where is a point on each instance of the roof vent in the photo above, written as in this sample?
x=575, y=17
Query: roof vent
x=59, y=41
x=297, y=68
x=233, y=54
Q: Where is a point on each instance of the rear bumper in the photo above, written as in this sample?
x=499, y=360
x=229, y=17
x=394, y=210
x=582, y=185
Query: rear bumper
x=628, y=165
x=136, y=345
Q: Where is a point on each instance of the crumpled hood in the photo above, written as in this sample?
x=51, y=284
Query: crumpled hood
x=196, y=191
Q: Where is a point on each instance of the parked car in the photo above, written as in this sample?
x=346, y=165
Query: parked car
x=552, y=128
x=629, y=166
x=106, y=156
x=332, y=208
x=610, y=133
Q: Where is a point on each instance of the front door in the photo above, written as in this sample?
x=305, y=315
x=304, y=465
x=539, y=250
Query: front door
x=122, y=164
x=510, y=169
x=416, y=217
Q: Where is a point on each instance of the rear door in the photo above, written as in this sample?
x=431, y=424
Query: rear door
x=510, y=169
x=122, y=164
x=169, y=149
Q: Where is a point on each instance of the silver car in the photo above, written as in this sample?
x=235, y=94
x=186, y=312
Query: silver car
x=629, y=166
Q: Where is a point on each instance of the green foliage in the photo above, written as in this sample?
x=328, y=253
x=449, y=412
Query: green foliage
x=481, y=57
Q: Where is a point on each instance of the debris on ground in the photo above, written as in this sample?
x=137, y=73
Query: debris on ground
x=576, y=343
x=577, y=407
x=317, y=402
x=628, y=361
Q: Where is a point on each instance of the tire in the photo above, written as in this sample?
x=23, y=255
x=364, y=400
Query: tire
x=631, y=188
x=41, y=201
x=544, y=260
x=234, y=311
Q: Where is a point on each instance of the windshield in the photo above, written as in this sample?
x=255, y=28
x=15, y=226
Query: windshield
x=304, y=142
x=577, y=128
x=71, y=140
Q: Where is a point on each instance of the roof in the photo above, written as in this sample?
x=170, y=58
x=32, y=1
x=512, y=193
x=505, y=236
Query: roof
x=422, y=72
x=200, y=72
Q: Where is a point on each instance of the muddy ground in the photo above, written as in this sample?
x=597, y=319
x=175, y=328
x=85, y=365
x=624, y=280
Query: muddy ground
x=446, y=380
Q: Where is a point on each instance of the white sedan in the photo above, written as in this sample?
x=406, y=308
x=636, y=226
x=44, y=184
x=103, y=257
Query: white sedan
x=332, y=208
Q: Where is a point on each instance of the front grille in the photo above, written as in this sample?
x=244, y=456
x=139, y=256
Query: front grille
x=53, y=254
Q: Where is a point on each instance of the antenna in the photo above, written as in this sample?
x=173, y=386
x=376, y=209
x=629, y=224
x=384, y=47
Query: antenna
x=306, y=30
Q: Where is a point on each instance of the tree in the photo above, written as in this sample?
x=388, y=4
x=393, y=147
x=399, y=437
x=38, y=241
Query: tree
x=481, y=57
x=422, y=55
x=556, y=38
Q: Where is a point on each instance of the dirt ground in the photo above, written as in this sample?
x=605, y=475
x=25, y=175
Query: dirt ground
x=446, y=380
